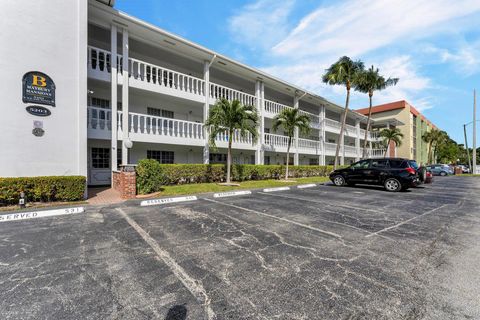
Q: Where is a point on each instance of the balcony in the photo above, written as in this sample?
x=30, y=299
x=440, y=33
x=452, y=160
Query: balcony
x=279, y=143
x=146, y=76
x=273, y=108
x=146, y=128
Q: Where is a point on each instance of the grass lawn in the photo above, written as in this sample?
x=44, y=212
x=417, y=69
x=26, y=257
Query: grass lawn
x=195, y=188
x=469, y=175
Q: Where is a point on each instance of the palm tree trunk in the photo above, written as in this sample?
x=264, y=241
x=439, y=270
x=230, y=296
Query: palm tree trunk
x=288, y=156
x=430, y=153
x=368, y=127
x=386, y=149
x=229, y=155
x=342, y=128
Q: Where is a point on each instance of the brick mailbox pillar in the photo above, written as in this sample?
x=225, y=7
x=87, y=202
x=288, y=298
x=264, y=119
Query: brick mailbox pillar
x=125, y=181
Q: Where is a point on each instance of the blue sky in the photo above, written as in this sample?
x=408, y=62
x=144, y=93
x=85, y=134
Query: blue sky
x=432, y=46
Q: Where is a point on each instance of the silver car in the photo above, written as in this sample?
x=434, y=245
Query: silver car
x=440, y=169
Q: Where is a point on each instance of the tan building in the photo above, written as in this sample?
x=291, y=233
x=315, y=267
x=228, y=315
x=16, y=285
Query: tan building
x=412, y=124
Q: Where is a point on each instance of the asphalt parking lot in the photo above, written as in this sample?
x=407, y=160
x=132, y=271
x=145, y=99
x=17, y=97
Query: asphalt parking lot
x=316, y=253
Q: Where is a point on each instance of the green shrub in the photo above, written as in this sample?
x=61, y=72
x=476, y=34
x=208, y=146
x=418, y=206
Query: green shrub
x=51, y=188
x=151, y=175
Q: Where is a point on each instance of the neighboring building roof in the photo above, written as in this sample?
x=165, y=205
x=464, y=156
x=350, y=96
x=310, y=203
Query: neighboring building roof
x=394, y=106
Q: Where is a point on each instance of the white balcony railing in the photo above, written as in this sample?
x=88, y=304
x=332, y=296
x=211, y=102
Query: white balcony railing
x=309, y=144
x=236, y=138
x=99, y=63
x=221, y=92
x=277, y=140
x=274, y=107
x=376, y=153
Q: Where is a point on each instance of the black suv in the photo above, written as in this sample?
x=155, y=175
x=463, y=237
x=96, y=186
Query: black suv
x=394, y=174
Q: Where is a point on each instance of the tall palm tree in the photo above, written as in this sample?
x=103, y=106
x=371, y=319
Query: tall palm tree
x=227, y=117
x=389, y=135
x=290, y=119
x=432, y=138
x=343, y=72
x=369, y=81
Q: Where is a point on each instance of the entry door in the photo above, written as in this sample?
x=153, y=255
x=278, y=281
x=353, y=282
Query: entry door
x=99, y=172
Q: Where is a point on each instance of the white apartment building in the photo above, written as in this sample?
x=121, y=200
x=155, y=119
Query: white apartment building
x=125, y=90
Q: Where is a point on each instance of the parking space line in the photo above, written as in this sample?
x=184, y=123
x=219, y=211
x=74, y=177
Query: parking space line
x=323, y=202
x=406, y=221
x=306, y=226
x=195, y=287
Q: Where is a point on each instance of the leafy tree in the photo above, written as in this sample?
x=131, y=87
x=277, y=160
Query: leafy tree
x=344, y=72
x=389, y=135
x=432, y=138
x=369, y=81
x=227, y=117
x=290, y=119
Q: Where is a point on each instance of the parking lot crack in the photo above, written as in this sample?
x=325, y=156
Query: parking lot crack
x=194, y=286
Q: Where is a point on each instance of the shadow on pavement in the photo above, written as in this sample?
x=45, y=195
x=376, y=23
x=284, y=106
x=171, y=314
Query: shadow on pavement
x=178, y=312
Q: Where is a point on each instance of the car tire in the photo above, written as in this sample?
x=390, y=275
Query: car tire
x=339, y=181
x=392, y=185
x=443, y=173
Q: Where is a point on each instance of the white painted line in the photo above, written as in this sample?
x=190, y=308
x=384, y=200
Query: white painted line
x=406, y=221
x=231, y=193
x=303, y=186
x=276, y=189
x=154, y=202
x=193, y=285
x=39, y=214
x=306, y=226
x=358, y=192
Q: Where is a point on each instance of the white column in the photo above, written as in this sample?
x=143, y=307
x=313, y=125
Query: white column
x=321, y=134
x=206, y=108
x=259, y=94
x=113, y=99
x=357, y=139
x=296, y=105
x=125, y=102
x=342, y=144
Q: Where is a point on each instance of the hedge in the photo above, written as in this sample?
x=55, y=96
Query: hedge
x=51, y=188
x=151, y=175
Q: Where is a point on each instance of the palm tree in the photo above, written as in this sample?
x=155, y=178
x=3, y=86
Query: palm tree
x=290, y=119
x=369, y=81
x=433, y=138
x=343, y=72
x=389, y=135
x=226, y=117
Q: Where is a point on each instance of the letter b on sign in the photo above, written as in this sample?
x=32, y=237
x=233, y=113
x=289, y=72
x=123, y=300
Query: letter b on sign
x=39, y=81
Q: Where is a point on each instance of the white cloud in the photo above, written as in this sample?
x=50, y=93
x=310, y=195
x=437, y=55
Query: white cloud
x=366, y=29
x=356, y=27
x=465, y=58
x=262, y=23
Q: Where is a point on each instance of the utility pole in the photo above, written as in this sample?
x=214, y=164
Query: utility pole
x=466, y=147
x=474, y=168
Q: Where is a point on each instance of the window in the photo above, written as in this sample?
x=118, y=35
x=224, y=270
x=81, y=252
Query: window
x=100, y=158
x=313, y=161
x=361, y=164
x=218, y=158
x=398, y=164
x=160, y=113
x=161, y=156
x=100, y=103
x=266, y=160
x=379, y=163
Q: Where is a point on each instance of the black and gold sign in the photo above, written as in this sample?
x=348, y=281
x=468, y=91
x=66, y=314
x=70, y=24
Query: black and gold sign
x=38, y=88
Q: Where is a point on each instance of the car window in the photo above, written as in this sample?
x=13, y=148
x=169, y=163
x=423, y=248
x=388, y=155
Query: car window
x=361, y=164
x=398, y=163
x=379, y=163
x=413, y=164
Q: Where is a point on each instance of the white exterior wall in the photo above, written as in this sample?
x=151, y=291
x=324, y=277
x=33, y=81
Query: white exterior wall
x=48, y=36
